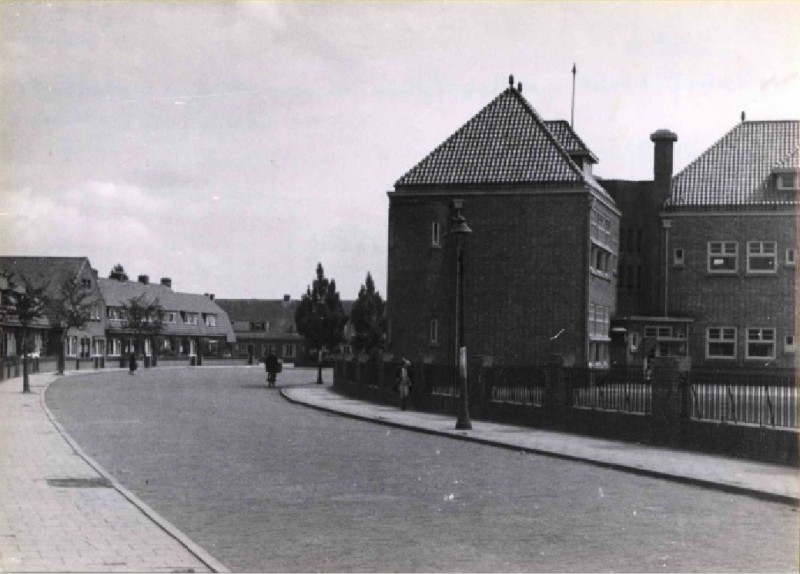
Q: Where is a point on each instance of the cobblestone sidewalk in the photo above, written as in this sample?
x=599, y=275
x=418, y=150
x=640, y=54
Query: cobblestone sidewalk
x=59, y=512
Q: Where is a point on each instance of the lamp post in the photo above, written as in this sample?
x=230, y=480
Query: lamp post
x=460, y=230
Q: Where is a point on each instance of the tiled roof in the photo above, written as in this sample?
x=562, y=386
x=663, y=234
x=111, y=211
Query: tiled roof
x=118, y=293
x=276, y=312
x=568, y=139
x=736, y=169
x=51, y=270
x=506, y=142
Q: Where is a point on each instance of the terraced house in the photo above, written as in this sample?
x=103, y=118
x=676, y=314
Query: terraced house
x=539, y=264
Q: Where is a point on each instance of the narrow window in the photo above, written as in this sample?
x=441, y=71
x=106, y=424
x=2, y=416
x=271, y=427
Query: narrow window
x=790, y=257
x=677, y=257
x=434, y=332
x=435, y=236
x=788, y=344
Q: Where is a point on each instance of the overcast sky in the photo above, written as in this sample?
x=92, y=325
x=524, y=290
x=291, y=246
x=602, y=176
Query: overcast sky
x=232, y=146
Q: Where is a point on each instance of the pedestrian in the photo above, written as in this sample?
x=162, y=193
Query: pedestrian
x=272, y=366
x=403, y=384
x=132, y=365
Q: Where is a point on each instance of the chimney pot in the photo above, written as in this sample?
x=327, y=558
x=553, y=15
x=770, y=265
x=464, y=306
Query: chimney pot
x=287, y=298
x=144, y=279
x=166, y=282
x=511, y=80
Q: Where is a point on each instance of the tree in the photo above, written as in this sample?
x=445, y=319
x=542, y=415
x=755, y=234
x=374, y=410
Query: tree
x=71, y=310
x=367, y=318
x=320, y=317
x=143, y=319
x=118, y=273
x=24, y=302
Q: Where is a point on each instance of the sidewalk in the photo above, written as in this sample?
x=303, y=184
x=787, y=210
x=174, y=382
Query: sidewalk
x=60, y=511
x=767, y=481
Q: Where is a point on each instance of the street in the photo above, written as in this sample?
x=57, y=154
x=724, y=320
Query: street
x=266, y=485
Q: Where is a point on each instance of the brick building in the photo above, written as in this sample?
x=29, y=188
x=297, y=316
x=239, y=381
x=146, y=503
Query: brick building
x=539, y=262
x=707, y=268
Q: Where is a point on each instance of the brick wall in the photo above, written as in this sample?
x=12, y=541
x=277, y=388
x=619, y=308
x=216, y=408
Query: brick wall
x=526, y=276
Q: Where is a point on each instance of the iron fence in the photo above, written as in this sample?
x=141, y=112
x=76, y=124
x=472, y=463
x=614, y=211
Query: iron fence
x=516, y=385
x=745, y=398
x=625, y=390
x=441, y=380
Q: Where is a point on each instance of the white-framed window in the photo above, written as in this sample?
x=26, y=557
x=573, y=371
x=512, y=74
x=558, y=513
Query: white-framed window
x=95, y=312
x=114, y=347
x=723, y=257
x=787, y=180
x=721, y=343
x=192, y=348
x=211, y=320
x=98, y=346
x=170, y=317
x=790, y=257
x=760, y=343
x=677, y=257
x=788, y=344
x=115, y=313
x=86, y=347
x=72, y=347
x=762, y=257
x=435, y=234
x=190, y=318
x=11, y=344
x=433, y=332
x=148, y=349
x=598, y=354
x=289, y=350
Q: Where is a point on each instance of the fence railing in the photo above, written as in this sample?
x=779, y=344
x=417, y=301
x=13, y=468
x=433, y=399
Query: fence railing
x=516, y=385
x=745, y=398
x=622, y=390
x=441, y=379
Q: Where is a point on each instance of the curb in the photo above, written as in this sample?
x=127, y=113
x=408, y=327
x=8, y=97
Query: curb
x=212, y=563
x=461, y=435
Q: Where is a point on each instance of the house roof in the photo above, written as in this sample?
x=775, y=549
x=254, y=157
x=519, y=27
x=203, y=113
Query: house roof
x=277, y=312
x=507, y=142
x=119, y=293
x=736, y=170
x=53, y=271
x=569, y=140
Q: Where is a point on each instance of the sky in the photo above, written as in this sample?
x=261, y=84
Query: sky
x=232, y=146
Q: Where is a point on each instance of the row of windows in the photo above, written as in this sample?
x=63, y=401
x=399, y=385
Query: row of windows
x=723, y=257
x=170, y=317
x=760, y=343
x=602, y=261
x=289, y=349
x=601, y=228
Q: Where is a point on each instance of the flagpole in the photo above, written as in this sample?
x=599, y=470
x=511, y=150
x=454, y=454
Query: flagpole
x=572, y=115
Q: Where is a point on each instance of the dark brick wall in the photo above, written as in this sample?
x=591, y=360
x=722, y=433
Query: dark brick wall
x=741, y=300
x=526, y=276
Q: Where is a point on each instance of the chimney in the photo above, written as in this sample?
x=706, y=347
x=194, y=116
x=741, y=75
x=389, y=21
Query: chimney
x=166, y=282
x=286, y=300
x=94, y=274
x=144, y=279
x=662, y=164
x=210, y=296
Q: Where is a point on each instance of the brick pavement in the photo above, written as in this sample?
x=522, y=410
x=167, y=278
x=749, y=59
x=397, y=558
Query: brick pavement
x=763, y=480
x=60, y=511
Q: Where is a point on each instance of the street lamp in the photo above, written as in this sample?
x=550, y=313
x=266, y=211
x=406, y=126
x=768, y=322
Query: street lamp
x=460, y=230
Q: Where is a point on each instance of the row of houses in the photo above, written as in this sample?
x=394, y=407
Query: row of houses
x=698, y=265
x=194, y=325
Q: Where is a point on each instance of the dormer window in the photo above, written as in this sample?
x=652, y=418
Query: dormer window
x=787, y=180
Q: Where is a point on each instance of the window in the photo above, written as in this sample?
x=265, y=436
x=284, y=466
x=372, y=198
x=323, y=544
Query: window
x=258, y=326
x=790, y=257
x=723, y=257
x=98, y=346
x=289, y=350
x=189, y=318
x=170, y=317
x=147, y=348
x=787, y=181
x=658, y=331
x=86, y=347
x=760, y=343
x=211, y=320
x=115, y=313
x=721, y=343
x=434, y=332
x=86, y=283
x=95, y=312
x=761, y=257
x=114, y=347
x=11, y=345
x=435, y=235
x=677, y=257
x=72, y=347
x=788, y=344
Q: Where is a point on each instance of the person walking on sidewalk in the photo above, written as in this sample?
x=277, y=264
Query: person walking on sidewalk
x=403, y=384
x=132, y=365
x=272, y=365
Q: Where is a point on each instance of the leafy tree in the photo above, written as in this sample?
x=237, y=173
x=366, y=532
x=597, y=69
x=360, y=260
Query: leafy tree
x=144, y=319
x=71, y=310
x=118, y=273
x=367, y=318
x=320, y=317
x=24, y=302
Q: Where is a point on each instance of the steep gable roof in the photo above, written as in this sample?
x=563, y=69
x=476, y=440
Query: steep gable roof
x=736, y=170
x=506, y=142
x=277, y=312
x=53, y=271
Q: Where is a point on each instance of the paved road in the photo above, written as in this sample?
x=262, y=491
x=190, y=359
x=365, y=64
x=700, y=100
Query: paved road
x=265, y=485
